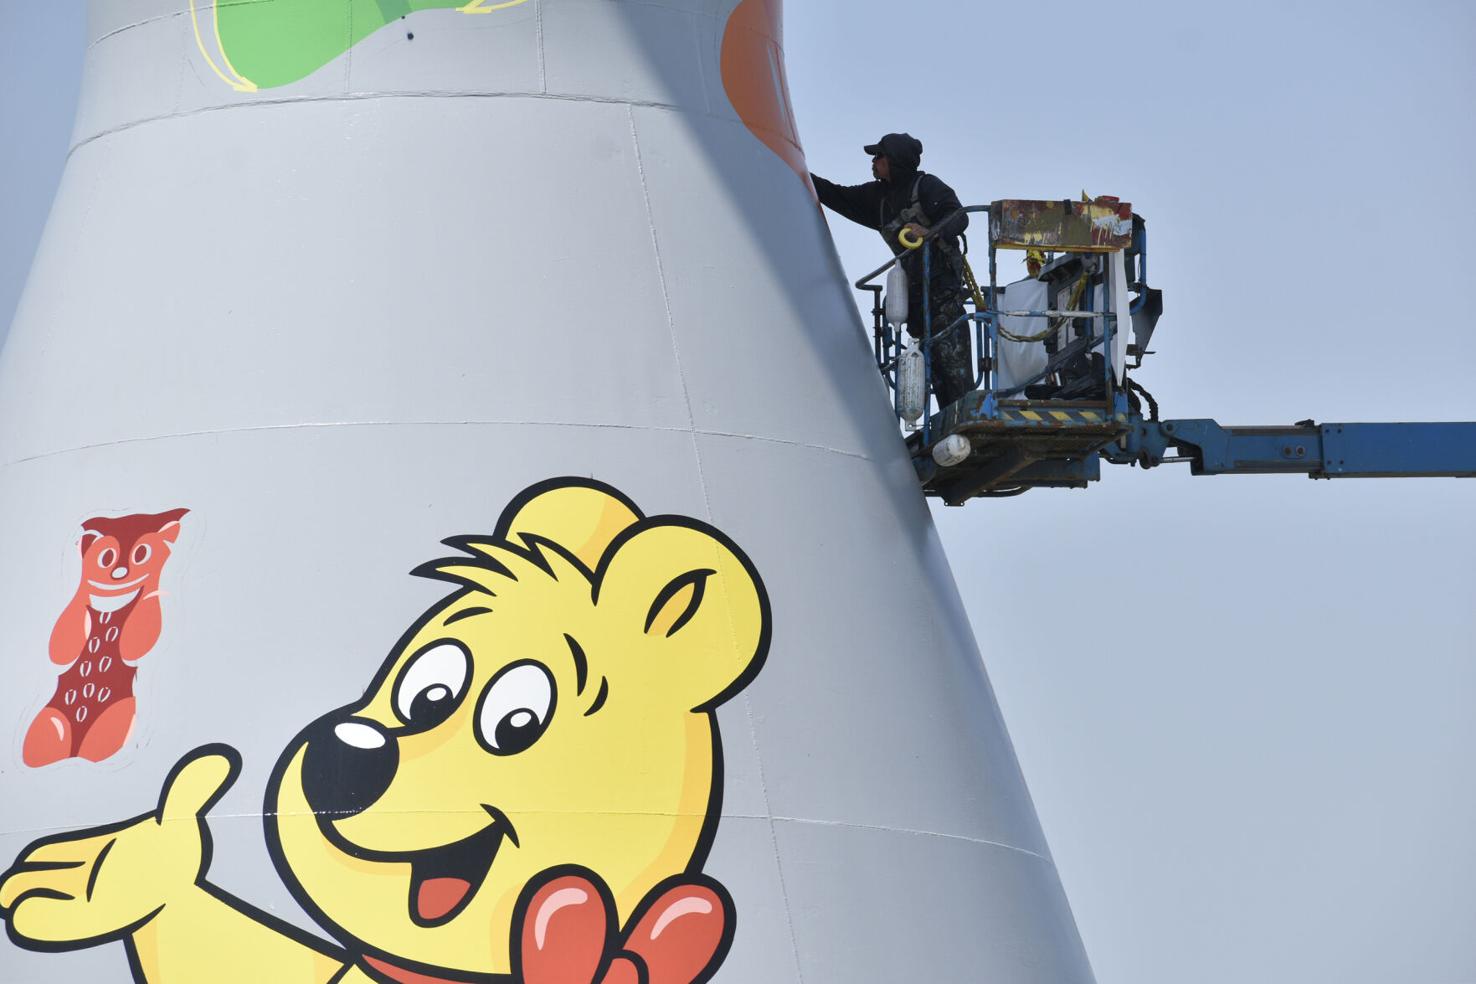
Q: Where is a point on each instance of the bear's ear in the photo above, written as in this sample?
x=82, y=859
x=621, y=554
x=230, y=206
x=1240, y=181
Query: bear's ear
x=696, y=603
x=581, y=515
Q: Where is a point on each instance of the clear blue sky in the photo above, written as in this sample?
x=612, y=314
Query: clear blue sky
x=1244, y=706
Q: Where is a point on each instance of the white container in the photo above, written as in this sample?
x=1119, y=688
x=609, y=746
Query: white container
x=911, y=388
x=896, y=302
x=952, y=450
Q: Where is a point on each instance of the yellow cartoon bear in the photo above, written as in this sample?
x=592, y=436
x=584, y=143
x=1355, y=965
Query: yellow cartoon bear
x=526, y=792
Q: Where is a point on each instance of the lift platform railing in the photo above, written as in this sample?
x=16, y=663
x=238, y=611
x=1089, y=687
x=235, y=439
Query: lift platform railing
x=981, y=310
x=990, y=443
x=888, y=341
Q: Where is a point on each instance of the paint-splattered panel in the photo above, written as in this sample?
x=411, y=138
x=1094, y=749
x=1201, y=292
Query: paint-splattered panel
x=1101, y=226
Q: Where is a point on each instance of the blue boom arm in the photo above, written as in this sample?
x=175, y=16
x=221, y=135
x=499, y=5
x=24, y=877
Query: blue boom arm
x=1315, y=450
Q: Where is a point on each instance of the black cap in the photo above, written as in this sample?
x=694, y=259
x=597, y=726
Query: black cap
x=902, y=149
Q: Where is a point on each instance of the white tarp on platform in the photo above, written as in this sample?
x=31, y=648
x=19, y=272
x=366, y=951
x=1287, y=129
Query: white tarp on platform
x=1018, y=361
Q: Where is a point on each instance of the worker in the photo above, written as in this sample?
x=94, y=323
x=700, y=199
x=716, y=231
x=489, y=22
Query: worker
x=905, y=198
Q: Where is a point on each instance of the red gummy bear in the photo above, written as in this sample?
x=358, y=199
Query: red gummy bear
x=111, y=623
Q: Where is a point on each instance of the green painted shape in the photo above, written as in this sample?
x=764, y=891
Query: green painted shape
x=276, y=42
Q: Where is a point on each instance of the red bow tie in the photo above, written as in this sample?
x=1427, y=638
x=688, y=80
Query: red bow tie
x=565, y=932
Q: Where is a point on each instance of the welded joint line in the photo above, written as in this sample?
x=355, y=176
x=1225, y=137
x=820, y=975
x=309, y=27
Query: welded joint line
x=915, y=832
x=255, y=814
x=676, y=352
x=254, y=101
x=128, y=27
x=859, y=456
x=769, y=819
x=312, y=425
x=166, y=16
x=694, y=19
x=676, y=349
x=348, y=55
x=245, y=3
x=542, y=55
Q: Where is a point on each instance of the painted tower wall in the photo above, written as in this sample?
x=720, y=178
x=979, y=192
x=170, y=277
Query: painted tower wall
x=341, y=306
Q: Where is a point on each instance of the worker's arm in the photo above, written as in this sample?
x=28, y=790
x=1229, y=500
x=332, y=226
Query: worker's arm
x=859, y=203
x=939, y=201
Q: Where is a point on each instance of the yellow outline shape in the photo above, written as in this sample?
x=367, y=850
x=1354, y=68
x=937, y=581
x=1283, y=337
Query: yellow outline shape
x=244, y=84
x=225, y=56
x=475, y=7
x=908, y=240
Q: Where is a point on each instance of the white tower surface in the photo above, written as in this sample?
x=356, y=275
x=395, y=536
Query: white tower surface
x=343, y=279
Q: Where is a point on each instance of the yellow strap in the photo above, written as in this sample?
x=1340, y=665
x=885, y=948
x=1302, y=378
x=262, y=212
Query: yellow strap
x=908, y=240
x=979, y=301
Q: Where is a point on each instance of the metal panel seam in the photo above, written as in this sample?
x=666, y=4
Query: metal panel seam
x=707, y=506
x=758, y=757
x=216, y=816
x=676, y=352
x=914, y=832
x=362, y=96
x=538, y=40
x=602, y=425
x=128, y=27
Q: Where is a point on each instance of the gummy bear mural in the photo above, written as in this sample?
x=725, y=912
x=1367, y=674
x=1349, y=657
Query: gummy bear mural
x=112, y=621
x=262, y=45
x=525, y=793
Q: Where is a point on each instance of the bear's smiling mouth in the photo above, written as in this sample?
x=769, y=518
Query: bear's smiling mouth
x=443, y=880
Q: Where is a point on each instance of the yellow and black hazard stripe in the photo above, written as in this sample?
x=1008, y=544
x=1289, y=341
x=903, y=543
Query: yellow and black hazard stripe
x=1054, y=416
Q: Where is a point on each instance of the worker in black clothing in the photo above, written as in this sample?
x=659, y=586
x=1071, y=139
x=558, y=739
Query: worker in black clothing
x=903, y=197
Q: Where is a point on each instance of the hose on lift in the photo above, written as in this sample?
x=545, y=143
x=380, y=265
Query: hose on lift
x=1134, y=388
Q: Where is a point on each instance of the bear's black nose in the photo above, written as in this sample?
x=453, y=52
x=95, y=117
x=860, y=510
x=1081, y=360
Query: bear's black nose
x=349, y=763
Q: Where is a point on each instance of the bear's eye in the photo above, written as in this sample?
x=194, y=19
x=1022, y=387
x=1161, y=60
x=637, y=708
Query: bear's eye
x=142, y=553
x=107, y=558
x=431, y=684
x=515, y=709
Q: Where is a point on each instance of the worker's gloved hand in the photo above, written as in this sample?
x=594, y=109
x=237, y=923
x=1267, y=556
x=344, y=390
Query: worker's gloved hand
x=566, y=932
x=915, y=230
